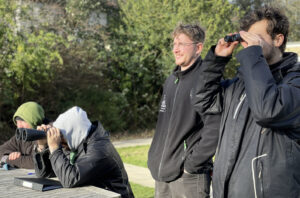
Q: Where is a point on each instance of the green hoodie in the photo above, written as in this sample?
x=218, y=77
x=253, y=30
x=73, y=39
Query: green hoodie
x=30, y=112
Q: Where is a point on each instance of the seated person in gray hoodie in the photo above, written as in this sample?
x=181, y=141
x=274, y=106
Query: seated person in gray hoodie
x=80, y=153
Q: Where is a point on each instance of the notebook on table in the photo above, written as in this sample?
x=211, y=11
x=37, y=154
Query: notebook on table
x=40, y=184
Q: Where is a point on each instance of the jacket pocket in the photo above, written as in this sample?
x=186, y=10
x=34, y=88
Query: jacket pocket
x=258, y=175
x=260, y=179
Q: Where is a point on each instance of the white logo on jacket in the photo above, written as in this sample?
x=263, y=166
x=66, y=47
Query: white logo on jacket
x=163, y=105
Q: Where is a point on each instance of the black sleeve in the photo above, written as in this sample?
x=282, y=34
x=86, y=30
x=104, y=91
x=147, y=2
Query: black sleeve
x=273, y=105
x=42, y=164
x=208, y=91
x=87, y=166
x=204, y=150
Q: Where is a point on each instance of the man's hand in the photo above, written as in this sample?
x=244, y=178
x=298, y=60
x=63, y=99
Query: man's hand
x=43, y=142
x=14, y=156
x=250, y=39
x=53, y=138
x=225, y=49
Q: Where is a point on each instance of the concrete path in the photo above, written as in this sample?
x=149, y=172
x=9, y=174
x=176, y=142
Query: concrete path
x=134, y=142
x=137, y=174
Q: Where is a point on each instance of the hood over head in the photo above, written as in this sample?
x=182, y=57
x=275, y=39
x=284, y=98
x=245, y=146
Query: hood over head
x=74, y=125
x=30, y=112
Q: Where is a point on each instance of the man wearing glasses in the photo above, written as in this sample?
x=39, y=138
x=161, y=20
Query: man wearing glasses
x=180, y=155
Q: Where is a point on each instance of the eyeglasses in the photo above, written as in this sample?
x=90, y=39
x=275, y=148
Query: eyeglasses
x=181, y=45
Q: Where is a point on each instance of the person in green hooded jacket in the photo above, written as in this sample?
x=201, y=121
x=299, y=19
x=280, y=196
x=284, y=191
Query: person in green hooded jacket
x=17, y=153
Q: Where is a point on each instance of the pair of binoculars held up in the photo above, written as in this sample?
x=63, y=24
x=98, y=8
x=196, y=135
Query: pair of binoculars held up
x=29, y=135
x=232, y=38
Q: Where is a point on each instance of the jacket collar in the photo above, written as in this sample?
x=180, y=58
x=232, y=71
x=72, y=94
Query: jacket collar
x=97, y=131
x=178, y=73
x=287, y=64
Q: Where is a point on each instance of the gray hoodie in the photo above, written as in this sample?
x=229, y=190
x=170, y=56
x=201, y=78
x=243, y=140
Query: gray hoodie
x=74, y=125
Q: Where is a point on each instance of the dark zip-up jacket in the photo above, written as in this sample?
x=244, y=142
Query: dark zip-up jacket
x=258, y=152
x=25, y=148
x=97, y=163
x=183, y=139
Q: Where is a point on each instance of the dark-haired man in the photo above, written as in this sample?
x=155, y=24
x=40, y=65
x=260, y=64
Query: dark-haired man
x=258, y=153
x=184, y=143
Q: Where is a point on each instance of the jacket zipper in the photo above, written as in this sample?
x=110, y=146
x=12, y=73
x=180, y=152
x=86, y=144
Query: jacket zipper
x=242, y=98
x=160, y=164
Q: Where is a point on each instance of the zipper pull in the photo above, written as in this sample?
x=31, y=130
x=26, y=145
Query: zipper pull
x=243, y=96
x=176, y=81
x=263, y=130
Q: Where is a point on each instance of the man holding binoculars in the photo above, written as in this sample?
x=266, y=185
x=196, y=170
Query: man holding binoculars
x=80, y=153
x=16, y=153
x=258, y=153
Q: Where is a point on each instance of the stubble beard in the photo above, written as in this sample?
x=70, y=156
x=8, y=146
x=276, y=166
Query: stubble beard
x=271, y=54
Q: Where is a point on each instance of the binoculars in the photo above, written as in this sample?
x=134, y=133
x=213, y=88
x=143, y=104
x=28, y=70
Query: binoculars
x=232, y=38
x=29, y=135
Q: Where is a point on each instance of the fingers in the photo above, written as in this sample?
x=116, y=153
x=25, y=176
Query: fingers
x=14, y=155
x=225, y=48
x=53, y=138
x=44, y=127
x=42, y=142
x=53, y=133
x=251, y=39
x=233, y=45
x=11, y=156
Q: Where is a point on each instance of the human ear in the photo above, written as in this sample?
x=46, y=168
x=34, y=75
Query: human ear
x=279, y=38
x=199, y=48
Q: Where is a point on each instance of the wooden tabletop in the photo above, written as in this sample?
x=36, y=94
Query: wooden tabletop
x=9, y=189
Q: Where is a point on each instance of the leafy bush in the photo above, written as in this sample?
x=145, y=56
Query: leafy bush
x=140, y=58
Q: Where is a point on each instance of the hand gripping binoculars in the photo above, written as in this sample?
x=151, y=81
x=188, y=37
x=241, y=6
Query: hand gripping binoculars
x=29, y=135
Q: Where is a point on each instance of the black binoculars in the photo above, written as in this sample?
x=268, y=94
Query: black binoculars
x=232, y=38
x=29, y=135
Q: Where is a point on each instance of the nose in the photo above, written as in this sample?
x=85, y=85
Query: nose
x=176, y=48
x=19, y=125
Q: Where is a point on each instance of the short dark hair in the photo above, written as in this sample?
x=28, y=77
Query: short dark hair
x=194, y=31
x=278, y=23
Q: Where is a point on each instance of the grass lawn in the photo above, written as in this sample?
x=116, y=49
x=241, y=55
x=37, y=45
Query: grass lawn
x=142, y=191
x=136, y=155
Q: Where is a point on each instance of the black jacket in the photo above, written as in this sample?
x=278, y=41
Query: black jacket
x=258, y=152
x=183, y=139
x=97, y=163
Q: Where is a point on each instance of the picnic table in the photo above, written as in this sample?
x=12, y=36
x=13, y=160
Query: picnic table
x=9, y=189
